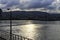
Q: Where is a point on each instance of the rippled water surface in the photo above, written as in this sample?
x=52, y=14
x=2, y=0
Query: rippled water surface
x=33, y=29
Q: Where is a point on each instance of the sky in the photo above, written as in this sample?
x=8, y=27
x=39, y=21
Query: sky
x=30, y=4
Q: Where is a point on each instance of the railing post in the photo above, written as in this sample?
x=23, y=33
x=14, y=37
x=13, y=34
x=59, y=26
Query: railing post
x=21, y=37
x=18, y=37
x=24, y=38
x=13, y=37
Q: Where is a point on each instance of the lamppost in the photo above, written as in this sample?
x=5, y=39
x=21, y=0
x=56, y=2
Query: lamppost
x=10, y=24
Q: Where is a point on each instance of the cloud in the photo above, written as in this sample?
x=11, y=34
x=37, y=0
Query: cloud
x=2, y=5
x=25, y=4
x=55, y=5
x=9, y=3
x=30, y=4
x=36, y=3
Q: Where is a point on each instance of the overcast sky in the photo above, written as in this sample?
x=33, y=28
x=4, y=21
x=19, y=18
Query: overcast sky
x=29, y=4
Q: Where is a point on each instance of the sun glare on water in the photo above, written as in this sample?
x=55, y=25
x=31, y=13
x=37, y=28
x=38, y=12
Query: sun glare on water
x=29, y=30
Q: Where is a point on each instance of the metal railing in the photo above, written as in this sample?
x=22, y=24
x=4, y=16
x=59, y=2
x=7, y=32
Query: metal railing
x=6, y=36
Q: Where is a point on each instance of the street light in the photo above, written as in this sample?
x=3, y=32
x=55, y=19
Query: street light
x=10, y=24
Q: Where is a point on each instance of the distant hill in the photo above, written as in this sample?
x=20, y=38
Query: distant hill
x=32, y=15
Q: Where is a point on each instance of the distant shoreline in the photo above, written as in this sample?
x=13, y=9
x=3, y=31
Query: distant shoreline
x=32, y=15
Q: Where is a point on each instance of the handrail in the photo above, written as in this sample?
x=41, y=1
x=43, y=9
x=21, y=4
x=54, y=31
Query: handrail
x=6, y=35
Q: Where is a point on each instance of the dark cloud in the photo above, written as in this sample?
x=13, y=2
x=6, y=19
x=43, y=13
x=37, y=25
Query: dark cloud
x=9, y=3
x=12, y=4
x=3, y=1
x=38, y=3
x=27, y=5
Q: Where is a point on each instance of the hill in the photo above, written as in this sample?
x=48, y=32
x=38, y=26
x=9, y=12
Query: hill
x=32, y=15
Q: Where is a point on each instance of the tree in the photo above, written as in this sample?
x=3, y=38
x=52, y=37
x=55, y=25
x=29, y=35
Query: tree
x=0, y=13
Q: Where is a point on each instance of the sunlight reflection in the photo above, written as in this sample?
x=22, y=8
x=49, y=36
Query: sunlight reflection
x=30, y=27
x=30, y=30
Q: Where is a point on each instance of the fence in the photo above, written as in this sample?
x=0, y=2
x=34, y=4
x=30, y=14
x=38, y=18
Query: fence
x=6, y=35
